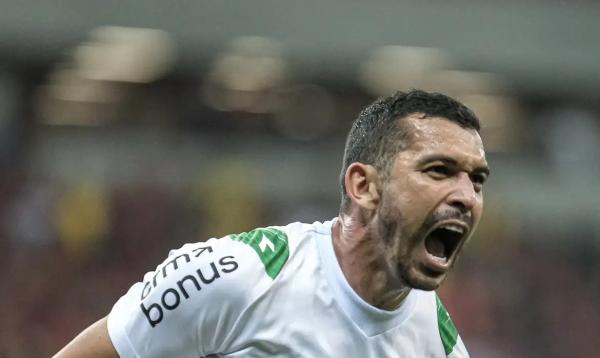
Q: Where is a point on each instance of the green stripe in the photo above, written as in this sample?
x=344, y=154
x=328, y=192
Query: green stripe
x=447, y=329
x=270, y=244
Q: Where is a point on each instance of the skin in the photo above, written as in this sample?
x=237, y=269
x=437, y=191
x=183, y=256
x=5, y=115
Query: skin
x=93, y=342
x=379, y=240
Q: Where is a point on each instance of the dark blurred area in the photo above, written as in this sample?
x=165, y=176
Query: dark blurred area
x=130, y=128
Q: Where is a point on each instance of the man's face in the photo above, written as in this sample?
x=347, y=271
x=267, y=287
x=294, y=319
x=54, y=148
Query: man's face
x=431, y=201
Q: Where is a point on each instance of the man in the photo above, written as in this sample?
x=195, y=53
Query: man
x=357, y=286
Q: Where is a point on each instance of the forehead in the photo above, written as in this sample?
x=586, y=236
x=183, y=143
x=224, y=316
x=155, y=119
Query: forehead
x=437, y=135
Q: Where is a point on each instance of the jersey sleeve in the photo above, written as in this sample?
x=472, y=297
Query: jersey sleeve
x=190, y=303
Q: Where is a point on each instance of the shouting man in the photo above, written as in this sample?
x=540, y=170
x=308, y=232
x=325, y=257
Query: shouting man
x=360, y=285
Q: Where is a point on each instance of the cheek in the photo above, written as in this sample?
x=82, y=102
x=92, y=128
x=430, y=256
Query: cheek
x=414, y=197
x=423, y=193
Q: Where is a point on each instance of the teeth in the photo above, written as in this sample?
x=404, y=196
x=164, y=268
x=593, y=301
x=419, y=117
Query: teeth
x=455, y=228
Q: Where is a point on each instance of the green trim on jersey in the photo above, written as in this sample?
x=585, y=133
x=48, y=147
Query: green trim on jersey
x=270, y=244
x=447, y=329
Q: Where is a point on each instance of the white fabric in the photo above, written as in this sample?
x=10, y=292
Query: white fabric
x=307, y=310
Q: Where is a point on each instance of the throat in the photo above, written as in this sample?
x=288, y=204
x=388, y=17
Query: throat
x=435, y=246
x=363, y=267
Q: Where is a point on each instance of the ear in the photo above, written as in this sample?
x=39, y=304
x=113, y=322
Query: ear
x=362, y=185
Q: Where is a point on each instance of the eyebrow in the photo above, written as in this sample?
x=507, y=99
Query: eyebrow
x=451, y=161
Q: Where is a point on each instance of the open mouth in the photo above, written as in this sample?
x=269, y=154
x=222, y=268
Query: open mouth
x=443, y=241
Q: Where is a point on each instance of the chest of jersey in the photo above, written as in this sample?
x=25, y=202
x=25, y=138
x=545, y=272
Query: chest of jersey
x=299, y=316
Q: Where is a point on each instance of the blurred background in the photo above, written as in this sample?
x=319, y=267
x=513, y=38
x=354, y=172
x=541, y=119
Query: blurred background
x=128, y=128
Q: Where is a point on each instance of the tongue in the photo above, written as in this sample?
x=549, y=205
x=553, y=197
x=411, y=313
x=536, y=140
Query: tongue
x=435, y=246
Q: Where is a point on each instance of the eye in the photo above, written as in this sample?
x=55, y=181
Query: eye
x=439, y=171
x=478, y=181
x=478, y=178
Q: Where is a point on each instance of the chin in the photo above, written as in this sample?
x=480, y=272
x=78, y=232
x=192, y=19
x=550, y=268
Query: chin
x=423, y=281
x=425, y=285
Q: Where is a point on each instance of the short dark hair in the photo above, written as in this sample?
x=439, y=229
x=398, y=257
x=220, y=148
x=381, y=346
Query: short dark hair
x=377, y=135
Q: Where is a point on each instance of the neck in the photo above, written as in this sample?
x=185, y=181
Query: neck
x=362, y=258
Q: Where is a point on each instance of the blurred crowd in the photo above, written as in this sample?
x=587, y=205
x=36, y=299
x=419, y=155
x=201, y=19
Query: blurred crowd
x=71, y=251
x=105, y=166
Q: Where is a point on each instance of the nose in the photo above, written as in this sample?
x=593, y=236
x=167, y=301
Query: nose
x=463, y=196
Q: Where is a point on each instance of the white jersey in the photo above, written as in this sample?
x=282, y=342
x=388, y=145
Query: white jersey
x=272, y=292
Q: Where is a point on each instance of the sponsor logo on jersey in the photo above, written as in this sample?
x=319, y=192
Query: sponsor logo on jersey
x=271, y=246
x=181, y=290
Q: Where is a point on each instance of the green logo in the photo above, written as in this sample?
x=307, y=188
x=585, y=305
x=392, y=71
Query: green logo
x=270, y=244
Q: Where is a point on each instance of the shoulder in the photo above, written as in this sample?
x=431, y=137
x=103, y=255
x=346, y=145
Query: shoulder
x=299, y=233
x=188, y=303
x=233, y=268
x=201, y=289
x=239, y=260
x=276, y=246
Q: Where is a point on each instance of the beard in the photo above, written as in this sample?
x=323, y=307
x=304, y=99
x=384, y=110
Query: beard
x=400, y=242
x=397, y=243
